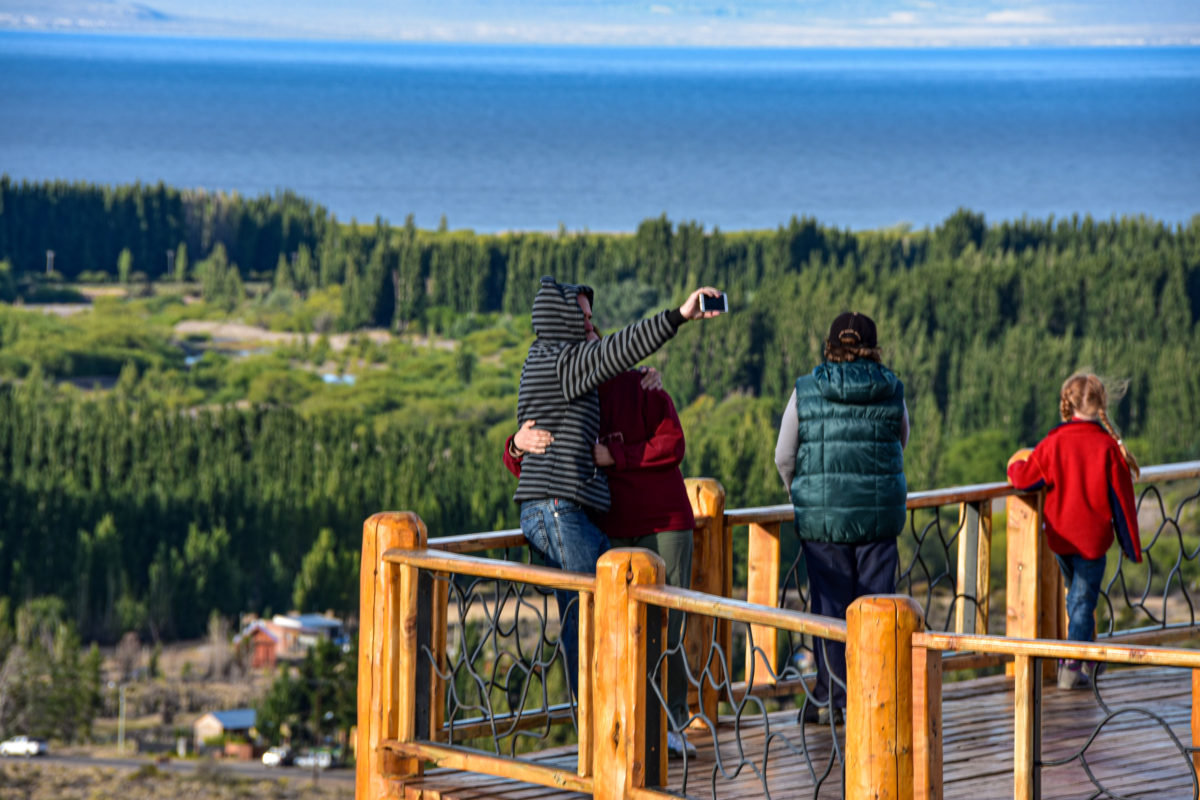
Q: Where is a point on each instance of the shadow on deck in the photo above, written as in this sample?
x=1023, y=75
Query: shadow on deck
x=1133, y=755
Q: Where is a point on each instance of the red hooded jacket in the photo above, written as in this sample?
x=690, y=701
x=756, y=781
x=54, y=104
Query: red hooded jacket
x=1089, y=491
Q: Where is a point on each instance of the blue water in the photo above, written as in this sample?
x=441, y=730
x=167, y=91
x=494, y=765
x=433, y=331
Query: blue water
x=502, y=138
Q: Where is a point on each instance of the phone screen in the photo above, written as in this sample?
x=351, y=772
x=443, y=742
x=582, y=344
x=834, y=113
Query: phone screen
x=708, y=303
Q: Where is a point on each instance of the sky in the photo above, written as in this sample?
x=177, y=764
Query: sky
x=694, y=23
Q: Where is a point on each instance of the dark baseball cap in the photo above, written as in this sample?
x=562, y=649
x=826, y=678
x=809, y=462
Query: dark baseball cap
x=852, y=329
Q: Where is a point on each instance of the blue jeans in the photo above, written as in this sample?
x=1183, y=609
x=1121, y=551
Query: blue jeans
x=561, y=532
x=1082, y=577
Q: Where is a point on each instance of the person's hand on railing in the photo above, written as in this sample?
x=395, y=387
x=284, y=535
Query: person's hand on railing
x=1021, y=455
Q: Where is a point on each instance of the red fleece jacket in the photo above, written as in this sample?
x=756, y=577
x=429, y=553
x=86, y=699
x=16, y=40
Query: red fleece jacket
x=642, y=431
x=1089, y=491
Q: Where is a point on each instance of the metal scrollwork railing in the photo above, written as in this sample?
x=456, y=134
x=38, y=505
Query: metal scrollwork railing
x=1158, y=593
x=743, y=743
x=504, y=668
x=1107, y=754
x=749, y=741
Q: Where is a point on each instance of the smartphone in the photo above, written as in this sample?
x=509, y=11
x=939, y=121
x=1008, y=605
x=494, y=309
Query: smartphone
x=719, y=303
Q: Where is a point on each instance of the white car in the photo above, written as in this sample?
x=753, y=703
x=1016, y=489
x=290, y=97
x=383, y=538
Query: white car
x=23, y=746
x=321, y=759
x=277, y=757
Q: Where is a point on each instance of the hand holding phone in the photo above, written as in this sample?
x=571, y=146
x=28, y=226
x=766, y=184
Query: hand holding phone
x=704, y=303
x=709, y=303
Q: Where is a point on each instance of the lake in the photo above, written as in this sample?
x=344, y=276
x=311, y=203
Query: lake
x=499, y=138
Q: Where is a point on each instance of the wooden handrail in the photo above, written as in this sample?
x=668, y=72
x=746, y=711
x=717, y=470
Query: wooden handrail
x=958, y=494
x=739, y=611
x=461, y=758
x=1181, y=470
x=927, y=499
x=459, y=564
x=479, y=542
x=1146, y=655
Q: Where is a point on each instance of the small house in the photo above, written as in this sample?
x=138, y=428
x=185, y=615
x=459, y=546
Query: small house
x=287, y=637
x=234, y=722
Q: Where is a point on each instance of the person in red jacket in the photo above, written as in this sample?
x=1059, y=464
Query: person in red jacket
x=1088, y=476
x=641, y=446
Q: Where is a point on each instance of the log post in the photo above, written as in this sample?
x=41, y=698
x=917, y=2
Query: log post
x=385, y=711
x=1196, y=718
x=622, y=705
x=1034, y=585
x=762, y=562
x=927, y=723
x=1026, y=728
x=712, y=573
x=974, y=565
x=879, y=699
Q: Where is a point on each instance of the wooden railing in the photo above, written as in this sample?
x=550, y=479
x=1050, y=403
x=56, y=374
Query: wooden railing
x=927, y=699
x=404, y=609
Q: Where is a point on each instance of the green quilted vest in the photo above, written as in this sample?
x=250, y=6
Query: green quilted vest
x=849, y=483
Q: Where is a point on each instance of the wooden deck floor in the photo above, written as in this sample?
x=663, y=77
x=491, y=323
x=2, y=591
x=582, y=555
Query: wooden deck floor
x=1133, y=756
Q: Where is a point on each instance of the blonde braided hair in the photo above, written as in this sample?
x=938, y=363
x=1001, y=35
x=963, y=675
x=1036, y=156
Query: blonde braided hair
x=1084, y=393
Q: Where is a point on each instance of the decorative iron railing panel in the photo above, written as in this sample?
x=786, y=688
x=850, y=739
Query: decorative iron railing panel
x=504, y=668
x=1096, y=751
x=750, y=740
x=1161, y=592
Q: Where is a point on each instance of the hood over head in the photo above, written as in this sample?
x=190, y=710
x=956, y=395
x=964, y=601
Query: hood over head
x=556, y=311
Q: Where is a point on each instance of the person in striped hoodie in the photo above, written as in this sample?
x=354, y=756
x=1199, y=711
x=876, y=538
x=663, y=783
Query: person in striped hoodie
x=561, y=488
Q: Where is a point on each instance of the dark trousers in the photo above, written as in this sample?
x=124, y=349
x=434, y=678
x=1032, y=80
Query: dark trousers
x=837, y=574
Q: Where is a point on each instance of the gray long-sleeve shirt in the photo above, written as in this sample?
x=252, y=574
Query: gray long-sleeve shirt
x=789, y=440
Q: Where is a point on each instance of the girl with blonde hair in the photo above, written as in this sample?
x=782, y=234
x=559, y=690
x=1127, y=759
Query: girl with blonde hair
x=1088, y=474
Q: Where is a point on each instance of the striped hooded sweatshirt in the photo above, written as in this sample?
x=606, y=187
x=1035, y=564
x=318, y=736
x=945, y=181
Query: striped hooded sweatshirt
x=558, y=390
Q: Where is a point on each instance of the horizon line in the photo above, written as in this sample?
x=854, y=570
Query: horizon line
x=1184, y=43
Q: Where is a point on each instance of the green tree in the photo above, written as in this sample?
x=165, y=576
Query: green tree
x=181, y=263
x=8, y=285
x=328, y=578
x=125, y=266
x=315, y=699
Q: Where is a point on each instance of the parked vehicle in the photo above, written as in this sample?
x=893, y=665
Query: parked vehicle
x=277, y=757
x=321, y=759
x=24, y=746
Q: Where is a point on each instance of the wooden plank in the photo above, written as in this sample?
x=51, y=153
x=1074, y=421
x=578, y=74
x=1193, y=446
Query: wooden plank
x=740, y=611
x=479, y=542
x=437, y=689
x=434, y=561
x=927, y=723
x=1146, y=655
x=983, y=569
x=587, y=659
x=1196, y=717
x=1052, y=609
x=1023, y=734
x=460, y=758
x=965, y=616
x=402, y=691
x=763, y=589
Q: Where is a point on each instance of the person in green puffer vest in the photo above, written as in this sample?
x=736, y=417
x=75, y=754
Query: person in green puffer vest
x=840, y=453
